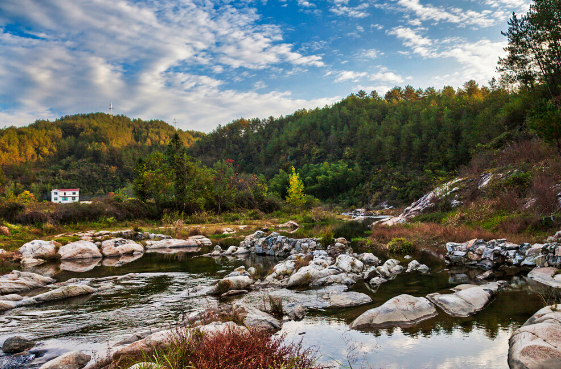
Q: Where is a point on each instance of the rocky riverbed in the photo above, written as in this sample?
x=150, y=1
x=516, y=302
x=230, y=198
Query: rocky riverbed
x=333, y=299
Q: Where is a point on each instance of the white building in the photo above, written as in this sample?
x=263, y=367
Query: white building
x=65, y=196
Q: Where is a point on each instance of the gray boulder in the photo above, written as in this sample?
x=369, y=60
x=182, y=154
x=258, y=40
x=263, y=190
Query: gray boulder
x=349, y=264
x=70, y=360
x=14, y=345
x=171, y=243
x=537, y=344
x=79, y=250
x=401, y=311
x=348, y=299
x=546, y=276
x=120, y=246
x=38, y=249
x=467, y=300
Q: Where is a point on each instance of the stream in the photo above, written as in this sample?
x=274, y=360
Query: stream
x=158, y=295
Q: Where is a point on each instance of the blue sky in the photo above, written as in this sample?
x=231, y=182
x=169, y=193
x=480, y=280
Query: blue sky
x=209, y=62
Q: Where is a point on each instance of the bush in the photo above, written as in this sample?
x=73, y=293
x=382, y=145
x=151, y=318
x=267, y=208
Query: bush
x=400, y=246
x=230, y=349
x=326, y=237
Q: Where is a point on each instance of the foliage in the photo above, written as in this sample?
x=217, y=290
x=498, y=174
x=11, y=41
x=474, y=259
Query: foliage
x=545, y=120
x=326, y=237
x=230, y=349
x=295, y=193
x=400, y=246
x=534, y=51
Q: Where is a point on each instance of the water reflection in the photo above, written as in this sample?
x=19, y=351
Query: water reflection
x=161, y=294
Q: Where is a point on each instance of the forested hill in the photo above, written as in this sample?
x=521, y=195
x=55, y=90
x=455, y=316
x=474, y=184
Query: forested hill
x=95, y=152
x=367, y=148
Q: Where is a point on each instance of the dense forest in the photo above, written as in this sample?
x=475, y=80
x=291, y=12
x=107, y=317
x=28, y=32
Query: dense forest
x=95, y=152
x=366, y=148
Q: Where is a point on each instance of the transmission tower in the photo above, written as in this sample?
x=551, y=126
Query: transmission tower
x=111, y=110
x=175, y=123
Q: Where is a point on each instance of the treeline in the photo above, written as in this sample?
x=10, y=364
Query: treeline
x=368, y=148
x=95, y=152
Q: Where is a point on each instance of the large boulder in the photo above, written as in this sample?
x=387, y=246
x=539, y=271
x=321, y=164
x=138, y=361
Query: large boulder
x=120, y=246
x=16, y=344
x=171, y=243
x=401, y=311
x=537, y=344
x=240, y=282
x=349, y=264
x=70, y=360
x=311, y=273
x=546, y=276
x=255, y=318
x=18, y=281
x=467, y=300
x=38, y=249
x=79, y=250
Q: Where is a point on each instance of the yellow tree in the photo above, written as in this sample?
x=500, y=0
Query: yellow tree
x=296, y=194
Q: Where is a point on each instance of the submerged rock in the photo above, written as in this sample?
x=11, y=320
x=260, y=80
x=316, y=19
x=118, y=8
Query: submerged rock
x=70, y=360
x=60, y=293
x=467, y=300
x=18, y=281
x=537, y=344
x=14, y=345
x=79, y=265
x=400, y=311
x=79, y=250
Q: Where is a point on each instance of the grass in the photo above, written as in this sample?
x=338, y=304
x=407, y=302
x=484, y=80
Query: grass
x=400, y=245
x=233, y=348
x=273, y=305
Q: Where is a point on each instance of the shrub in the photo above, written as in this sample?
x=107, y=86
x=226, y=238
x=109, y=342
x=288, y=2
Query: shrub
x=230, y=349
x=223, y=286
x=400, y=246
x=326, y=237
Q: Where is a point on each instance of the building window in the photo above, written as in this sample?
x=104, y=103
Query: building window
x=56, y=193
x=55, y=199
x=74, y=193
x=65, y=199
x=73, y=199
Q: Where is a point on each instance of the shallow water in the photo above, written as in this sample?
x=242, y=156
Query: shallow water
x=161, y=294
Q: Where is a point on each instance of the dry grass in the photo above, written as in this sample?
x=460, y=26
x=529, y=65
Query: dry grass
x=429, y=235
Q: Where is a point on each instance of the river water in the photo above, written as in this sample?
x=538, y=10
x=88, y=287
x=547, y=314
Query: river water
x=160, y=294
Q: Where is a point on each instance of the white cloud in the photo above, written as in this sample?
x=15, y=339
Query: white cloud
x=386, y=76
x=358, y=11
x=412, y=39
x=348, y=75
x=142, y=57
x=370, y=54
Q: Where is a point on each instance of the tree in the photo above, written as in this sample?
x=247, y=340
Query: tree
x=545, y=120
x=296, y=194
x=534, y=47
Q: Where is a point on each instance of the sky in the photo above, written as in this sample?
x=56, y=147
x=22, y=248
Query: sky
x=206, y=63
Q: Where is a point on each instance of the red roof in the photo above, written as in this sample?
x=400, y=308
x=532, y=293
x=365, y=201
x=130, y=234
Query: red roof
x=61, y=189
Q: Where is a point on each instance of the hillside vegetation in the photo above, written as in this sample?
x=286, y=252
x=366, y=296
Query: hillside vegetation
x=95, y=152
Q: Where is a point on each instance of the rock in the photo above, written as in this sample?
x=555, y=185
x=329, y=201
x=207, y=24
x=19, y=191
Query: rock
x=18, y=281
x=537, y=344
x=234, y=293
x=369, y=259
x=233, y=283
x=423, y=268
x=255, y=318
x=412, y=266
x=401, y=311
x=230, y=250
x=241, y=251
x=377, y=281
x=339, y=248
x=546, y=276
x=295, y=311
x=385, y=270
x=171, y=243
x=342, y=240
x=14, y=345
x=70, y=360
x=289, y=224
x=79, y=250
x=488, y=274
x=201, y=240
x=4, y=231
x=63, y=293
x=311, y=273
x=466, y=301
x=217, y=251
x=120, y=246
x=342, y=278
x=349, y=264
x=11, y=298
x=396, y=269
x=347, y=299
x=555, y=238
x=38, y=249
